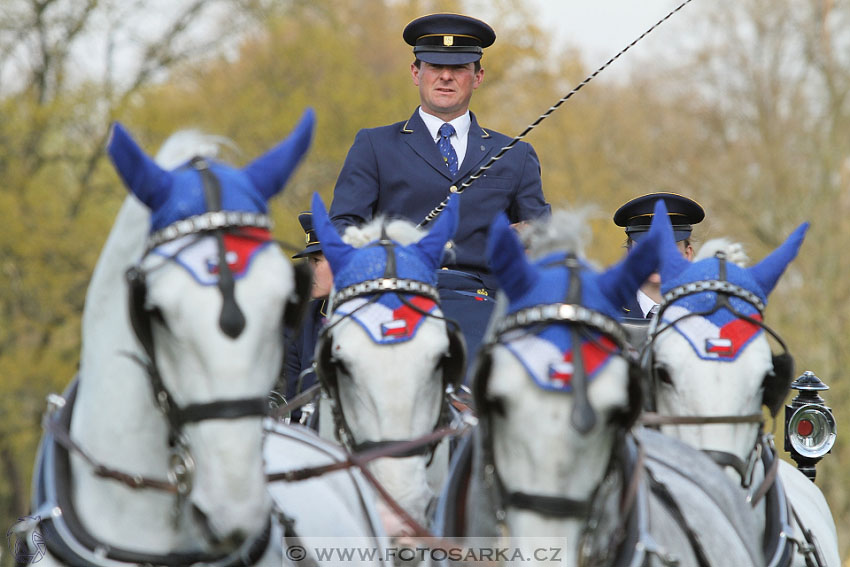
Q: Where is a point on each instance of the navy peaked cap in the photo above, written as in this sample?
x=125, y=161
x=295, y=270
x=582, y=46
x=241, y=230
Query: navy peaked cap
x=313, y=244
x=636, y=215
x=448, y=39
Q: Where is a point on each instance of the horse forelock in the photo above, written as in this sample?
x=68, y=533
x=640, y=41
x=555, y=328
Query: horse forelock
x=734, y=251
x=183, y=145
x=565, y=230
x=401, y=231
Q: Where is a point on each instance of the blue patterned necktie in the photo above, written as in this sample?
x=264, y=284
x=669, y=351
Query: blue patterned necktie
x=446, y=149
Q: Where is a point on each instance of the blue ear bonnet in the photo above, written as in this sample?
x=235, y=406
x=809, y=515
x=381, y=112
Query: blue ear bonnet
x=185, y=198
x=708, y=269
x=552, y=285
x=179, y=194
x=370, y=262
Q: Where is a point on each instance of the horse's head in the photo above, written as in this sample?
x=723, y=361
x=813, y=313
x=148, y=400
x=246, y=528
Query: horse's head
x=553, y=387
x=710, y=353
x=207, y=302
x=387, y=353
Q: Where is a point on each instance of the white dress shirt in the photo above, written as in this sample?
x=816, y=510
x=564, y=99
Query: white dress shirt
x=458, y=139
x=646, y=303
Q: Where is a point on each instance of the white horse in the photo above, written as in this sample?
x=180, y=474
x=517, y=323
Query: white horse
x=553, y=456
x=387, y=354
x=155, y=456
x=710, y=359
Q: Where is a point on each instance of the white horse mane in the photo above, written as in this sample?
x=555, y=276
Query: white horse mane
x=183, y=145
x=402, y=231
x=565, y=230
x=735, y=252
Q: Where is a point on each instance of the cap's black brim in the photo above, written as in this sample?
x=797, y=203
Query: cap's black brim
x=680, y=235
x=312, y=249
x=443, y=58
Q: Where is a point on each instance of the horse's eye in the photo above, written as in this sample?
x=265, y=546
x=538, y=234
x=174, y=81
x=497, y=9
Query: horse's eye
x=662, y=375
x=496, y=405
x=156, y=315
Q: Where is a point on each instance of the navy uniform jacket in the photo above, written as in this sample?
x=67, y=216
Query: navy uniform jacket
x=632, y=310
x=397, y=170
x=300, y=348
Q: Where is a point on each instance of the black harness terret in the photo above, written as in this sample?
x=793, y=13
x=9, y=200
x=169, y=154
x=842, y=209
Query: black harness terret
x=328, y=367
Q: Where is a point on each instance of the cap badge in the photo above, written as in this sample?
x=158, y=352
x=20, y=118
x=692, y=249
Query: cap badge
x=448, y=40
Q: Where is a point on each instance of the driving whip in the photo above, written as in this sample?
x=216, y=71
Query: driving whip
x=457, y=190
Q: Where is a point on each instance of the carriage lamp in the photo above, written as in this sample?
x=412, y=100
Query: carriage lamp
x=809, y=424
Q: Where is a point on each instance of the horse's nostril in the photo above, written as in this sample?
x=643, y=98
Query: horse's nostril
x=200, y=517
x=230, y=541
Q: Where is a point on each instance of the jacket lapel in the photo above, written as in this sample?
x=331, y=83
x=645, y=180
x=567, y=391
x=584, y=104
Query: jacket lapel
x=416, y=135
x=480, y=145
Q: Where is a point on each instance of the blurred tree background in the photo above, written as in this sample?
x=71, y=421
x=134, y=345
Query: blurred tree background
x=753, y=121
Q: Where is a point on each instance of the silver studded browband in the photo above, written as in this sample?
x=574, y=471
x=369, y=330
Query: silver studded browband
x=717, y=286
x=382, y=285
x=563, y=313
x=208, y=221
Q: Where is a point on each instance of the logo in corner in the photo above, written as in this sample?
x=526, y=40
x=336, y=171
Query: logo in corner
x=21, y=548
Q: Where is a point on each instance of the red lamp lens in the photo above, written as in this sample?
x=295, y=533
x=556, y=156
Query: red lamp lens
x=805, y=427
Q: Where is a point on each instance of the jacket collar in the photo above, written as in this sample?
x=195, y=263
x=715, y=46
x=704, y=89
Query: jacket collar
x=480, y=144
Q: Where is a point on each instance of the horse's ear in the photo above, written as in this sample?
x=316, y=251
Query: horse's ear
x=432, y=244
x=767, y=272
x=508, y=261
x=335, y=250
x=672, y=262
x=140, y=174
x=270, y=171
x=620, y=282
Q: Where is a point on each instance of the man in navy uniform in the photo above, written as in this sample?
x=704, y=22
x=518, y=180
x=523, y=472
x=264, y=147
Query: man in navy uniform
x=406, y=169
x=300, y=344
x=636, y=216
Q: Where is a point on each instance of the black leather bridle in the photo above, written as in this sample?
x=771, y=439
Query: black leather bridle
x=327, y=367
x=214, y=222
x=775, y=383
x=582, y=321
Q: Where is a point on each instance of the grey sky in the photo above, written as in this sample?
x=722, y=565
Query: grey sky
x=601, y=28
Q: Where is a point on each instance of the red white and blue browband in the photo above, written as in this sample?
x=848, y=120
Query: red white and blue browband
x=717, y=336
x=547, y=355
x=199, y=255
x=389, y=320
x=550, y=362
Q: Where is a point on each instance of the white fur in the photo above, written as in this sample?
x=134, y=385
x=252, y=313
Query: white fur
x=538, y=451
x=704, y=388
x=566, y=230
x=400, y=231
x=734, y=251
